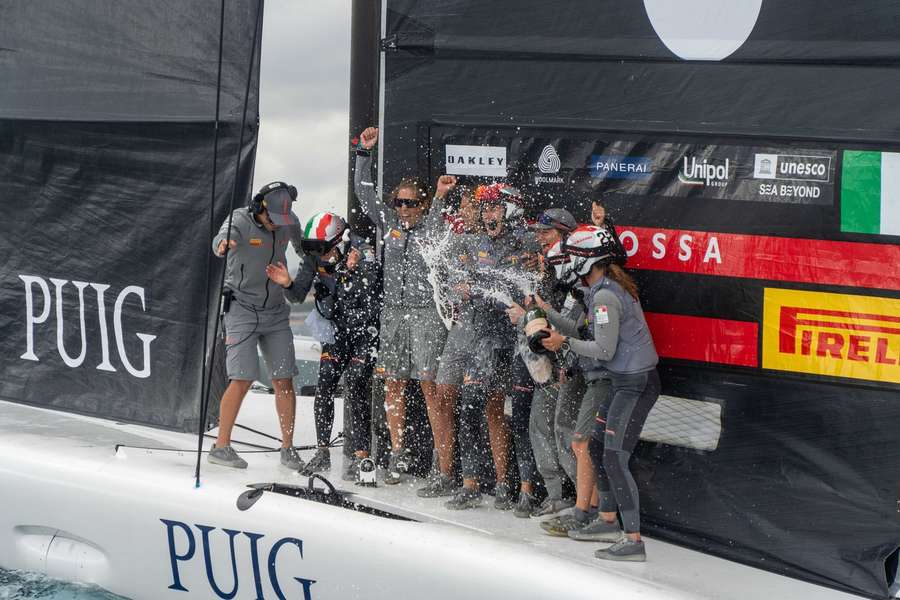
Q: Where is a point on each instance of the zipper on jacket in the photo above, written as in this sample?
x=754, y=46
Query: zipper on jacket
x=241, y=281
x=266, y=301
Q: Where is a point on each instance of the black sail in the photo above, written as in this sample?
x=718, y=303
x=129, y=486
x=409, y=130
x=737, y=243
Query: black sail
x=735, y=150
x=107, y=125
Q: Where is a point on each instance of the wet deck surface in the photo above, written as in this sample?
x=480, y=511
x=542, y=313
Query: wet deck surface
x=87, y=441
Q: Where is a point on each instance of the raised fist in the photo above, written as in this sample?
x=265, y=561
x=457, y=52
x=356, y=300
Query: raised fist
x=369, y=137
x=445, y=183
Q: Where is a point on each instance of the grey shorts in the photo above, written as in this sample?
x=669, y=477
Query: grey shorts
x=454, y=357
x=599, y=393
x=268, y=329
x=412, y=340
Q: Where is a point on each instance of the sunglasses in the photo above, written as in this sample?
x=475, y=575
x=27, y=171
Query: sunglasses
x=407, y=202
x=545, y=219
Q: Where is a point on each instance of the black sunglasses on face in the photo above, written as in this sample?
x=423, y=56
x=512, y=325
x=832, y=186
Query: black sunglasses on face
x=408, y=202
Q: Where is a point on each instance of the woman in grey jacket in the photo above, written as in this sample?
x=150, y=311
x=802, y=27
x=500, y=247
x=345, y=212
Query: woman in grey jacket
x=613, y=343
x=412, y=333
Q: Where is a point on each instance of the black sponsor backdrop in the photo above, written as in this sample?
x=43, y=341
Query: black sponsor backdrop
x=106, y=145
x=803, y=482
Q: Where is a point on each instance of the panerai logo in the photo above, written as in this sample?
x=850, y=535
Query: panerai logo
x=47, y=303
x=694, y=172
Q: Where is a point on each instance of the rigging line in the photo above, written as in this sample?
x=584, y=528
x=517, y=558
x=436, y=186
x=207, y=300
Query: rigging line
x=234, y=190
x=331, y=444
x=212, y=210
x=260, y=449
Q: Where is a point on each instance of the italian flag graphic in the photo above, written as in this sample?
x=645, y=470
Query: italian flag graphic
x=870, y=192
x=317, y=227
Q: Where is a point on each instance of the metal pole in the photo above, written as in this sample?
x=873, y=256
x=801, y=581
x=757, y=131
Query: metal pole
x=365, y=48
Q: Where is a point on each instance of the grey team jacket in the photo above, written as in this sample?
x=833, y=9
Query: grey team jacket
x=257, y=247
x=621, y=341
x=406, y=282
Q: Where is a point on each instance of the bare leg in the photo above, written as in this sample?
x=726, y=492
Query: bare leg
x=229, y=407
x=586, y=479
x=440, y=400
x=286, y=406
x=499, y=434
x=395, y=410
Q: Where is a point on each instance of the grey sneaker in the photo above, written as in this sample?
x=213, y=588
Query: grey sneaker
x=398, y=464
x=624, y=549
x=525, y=506
x=351, y=469
x=561, y=525
x=502, y=497
x=597, y=530
x=551, y=506
x=226, y=457
x=464, y=499
x=290, y=459
x=437, y=487
x=319, y=463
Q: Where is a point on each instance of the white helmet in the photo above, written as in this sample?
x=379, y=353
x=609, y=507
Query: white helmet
x=562, y=264
x=588, y=245
x=323, y=232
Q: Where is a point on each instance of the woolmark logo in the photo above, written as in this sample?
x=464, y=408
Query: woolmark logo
x=694, y=172
x=793, y=167
x=832, y=334
x=549, y=160
x=481, y=161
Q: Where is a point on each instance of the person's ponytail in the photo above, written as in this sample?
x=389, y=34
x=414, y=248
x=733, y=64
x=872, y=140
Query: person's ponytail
x=617, y=274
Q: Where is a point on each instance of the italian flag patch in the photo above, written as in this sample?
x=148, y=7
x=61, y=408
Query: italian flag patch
x=601, y=314
x=870, y=192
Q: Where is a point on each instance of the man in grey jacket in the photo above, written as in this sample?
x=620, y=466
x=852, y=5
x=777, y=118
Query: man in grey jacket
x=256, y=314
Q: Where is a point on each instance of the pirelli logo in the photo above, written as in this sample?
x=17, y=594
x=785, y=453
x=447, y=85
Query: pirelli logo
x=837, y=335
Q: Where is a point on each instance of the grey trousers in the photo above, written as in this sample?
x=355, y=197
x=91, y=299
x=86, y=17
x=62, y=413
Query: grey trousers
x=551, y=427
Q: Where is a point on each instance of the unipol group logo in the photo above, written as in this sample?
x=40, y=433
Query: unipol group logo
x=549, y=164
x=703, y=29
x=40, y=303
x=837, y=335
x=702, y=172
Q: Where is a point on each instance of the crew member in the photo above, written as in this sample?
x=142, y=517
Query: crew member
x=620, y=348
x=347, y=294
x=412, y=333
x=257, y=314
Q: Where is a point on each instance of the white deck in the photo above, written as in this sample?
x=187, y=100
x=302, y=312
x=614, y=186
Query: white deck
x=88, y=444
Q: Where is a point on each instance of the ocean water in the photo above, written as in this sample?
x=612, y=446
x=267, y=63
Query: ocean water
x=19, y=585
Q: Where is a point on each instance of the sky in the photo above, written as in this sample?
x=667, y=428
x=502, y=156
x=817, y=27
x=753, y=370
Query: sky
x=304, y=102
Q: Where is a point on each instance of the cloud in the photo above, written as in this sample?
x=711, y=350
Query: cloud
x=304, y=102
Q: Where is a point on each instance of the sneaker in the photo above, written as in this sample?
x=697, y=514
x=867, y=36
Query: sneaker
x=290, y=459
x=350, y=471
x=561, y=525
x=624, y=549
x=502, y=497
x=226, y=457
x=319, y=463
x=398, y=463
x=437, y=487
x=551, y=506
x=597, y=530
x=526, y=505
x=464, y=499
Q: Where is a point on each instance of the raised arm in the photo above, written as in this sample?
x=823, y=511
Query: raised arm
x=434, y=220
x=363, y=182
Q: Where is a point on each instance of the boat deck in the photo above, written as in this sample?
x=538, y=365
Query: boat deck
x=90, y=443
